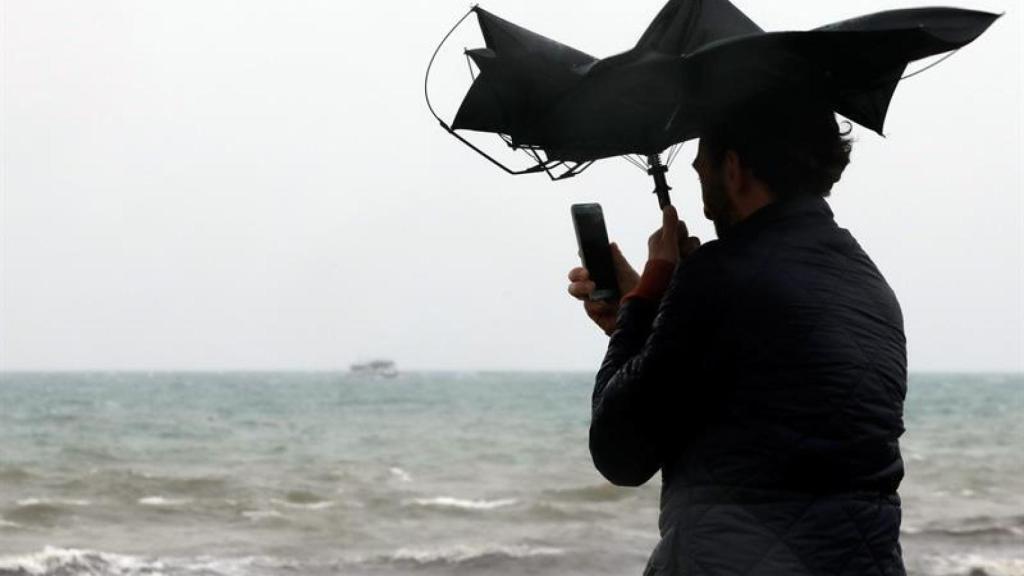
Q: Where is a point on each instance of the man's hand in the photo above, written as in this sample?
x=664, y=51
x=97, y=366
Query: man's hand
x=603, y=312
x=672, y=241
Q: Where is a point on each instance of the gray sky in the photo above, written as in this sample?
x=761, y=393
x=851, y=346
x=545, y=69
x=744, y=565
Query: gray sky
x=251, y=184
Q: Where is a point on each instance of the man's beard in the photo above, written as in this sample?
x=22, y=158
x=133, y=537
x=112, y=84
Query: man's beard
x=717, y=207
x=722, y=226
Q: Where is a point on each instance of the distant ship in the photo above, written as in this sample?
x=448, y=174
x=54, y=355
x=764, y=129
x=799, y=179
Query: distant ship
x=385, y=368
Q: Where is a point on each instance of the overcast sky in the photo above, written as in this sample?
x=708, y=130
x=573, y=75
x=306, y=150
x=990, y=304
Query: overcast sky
x=259, y=185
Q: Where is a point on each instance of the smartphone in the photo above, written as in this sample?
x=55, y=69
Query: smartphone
x=592, y=239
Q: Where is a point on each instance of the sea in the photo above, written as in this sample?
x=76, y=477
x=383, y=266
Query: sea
x=225, y=474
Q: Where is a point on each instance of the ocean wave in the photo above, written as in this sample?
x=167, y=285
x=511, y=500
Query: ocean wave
x=257, y=515
x=92, y=454
x=42, y=511
x=127, y=483
x=186, y=485
x=213, y=566
x=461, y=504
x=314, y=505
x=25, y=502
x=977, y=532
x=54, y=561
x=13, y=474
x=974, y=527
x=591, y=493
x=304, y=500
x=552, y=512
x=973, y=565
x=400, y=474
x=464, y=553
x=163, y=501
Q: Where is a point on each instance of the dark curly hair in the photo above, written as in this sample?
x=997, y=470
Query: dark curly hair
x=794, y=146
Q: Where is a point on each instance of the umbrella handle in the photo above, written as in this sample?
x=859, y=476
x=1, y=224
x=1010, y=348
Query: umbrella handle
x=661, y=187
x=663, y=199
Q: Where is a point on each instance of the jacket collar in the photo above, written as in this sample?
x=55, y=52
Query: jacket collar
x=804, y=206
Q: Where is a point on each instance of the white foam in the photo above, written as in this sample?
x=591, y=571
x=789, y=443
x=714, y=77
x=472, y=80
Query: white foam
x=59, y=561
x=8, y=524
x=24, y=502
x=257, y=515
x=53, y=560
x=162, y=501
x=400, y=474
x=464, y=552
x=449, y=502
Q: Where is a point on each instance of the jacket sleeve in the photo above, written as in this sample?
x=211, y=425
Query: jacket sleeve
x=650, y=376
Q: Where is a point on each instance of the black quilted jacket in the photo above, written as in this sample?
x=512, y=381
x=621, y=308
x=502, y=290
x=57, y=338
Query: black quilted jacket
x=767, y=386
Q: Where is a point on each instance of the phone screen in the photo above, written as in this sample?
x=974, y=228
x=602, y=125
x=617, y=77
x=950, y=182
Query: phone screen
x=592, y=238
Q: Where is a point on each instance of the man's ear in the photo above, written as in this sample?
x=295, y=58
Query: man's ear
x=733, y=175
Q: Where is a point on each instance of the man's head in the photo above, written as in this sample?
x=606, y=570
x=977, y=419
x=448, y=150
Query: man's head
x=768, y=152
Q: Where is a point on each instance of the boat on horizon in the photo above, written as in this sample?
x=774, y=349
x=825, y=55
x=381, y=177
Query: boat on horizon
x=378, y=367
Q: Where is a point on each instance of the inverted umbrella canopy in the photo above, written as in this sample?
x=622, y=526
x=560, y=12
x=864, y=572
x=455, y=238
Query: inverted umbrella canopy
x=696, y=61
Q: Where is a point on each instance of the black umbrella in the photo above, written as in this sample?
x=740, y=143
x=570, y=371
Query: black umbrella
x=696, y=61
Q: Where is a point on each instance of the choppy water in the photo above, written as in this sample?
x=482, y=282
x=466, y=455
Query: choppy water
x=429, y=473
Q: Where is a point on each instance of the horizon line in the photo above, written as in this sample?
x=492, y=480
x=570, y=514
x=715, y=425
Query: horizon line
x=238, y=370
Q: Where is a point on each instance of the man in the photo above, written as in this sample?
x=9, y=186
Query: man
x=763, y=373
